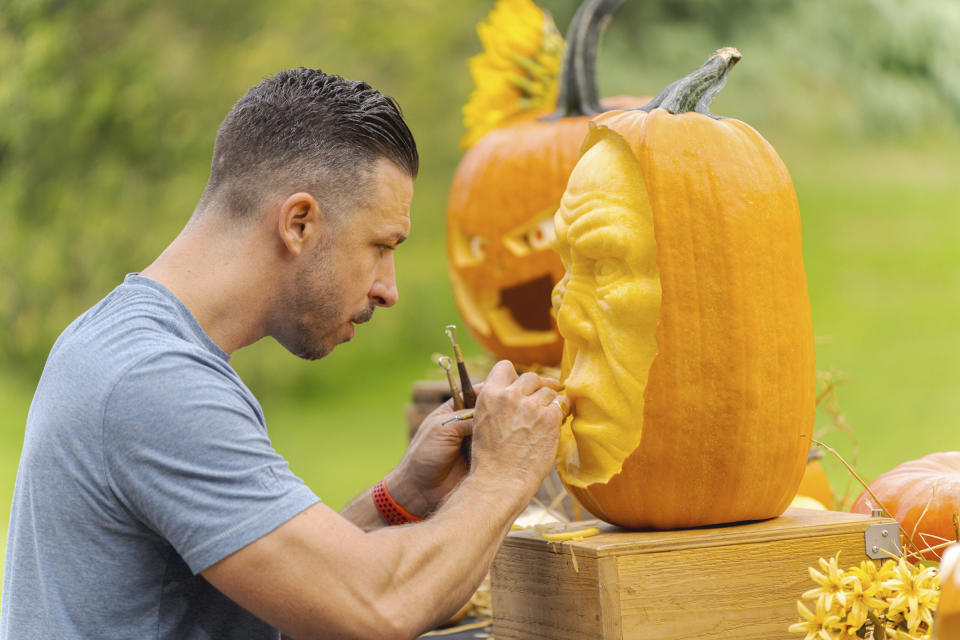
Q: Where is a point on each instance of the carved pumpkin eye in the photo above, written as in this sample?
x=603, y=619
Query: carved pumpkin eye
x=537, y=234
x=466, y=250
x=478, y=247
x=606, y=271
x=542, y=235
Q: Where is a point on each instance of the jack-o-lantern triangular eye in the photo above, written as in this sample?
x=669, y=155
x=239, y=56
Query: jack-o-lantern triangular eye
x=536, y=234
x=466, y=250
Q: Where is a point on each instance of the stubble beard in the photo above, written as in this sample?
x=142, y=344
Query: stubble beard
x=313, y=310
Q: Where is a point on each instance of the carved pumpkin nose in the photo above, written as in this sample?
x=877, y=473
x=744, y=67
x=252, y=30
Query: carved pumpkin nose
x=573, y=321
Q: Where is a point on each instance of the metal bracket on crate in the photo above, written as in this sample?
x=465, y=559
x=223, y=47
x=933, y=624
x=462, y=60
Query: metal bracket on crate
x=882, y=541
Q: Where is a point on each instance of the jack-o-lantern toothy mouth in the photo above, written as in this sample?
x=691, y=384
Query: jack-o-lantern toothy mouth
x=524, y=315
x=529, y=303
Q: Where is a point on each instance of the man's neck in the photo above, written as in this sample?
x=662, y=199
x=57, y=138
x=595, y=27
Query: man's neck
x=220, y=278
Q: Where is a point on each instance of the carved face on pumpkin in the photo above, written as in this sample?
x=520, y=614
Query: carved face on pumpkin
x=607, y=307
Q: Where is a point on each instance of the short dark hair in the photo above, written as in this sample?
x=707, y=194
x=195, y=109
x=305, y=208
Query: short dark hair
x=304, y=129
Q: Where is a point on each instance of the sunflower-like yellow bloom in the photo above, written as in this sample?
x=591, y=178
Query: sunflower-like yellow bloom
x=518, y=70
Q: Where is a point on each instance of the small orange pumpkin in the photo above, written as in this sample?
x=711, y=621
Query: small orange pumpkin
x=815, y=483
x=713, y=425
x=922, y=495
x=501, y=204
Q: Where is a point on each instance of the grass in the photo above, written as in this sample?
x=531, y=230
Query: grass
x=881, y=234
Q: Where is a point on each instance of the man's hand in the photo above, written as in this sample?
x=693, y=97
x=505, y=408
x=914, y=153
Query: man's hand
x=517, y=426
x=433, y=463
x=515, y=429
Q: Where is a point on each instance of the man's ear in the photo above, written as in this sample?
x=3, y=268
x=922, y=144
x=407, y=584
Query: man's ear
x=299, y=222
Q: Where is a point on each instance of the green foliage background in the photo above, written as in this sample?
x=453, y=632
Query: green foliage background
x=108, y=112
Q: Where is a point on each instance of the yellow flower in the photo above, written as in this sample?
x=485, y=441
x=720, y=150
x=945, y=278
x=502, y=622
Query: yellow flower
x=518, y=69
x=914, y=594
x=816, y=625
x=896, y=600
x=833, y=583
x=862, y=594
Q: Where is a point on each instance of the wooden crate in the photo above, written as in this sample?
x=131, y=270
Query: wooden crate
x=736, y=581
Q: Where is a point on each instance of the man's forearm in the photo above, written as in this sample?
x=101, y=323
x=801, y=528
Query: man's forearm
x=440, y=562
x=362, y=512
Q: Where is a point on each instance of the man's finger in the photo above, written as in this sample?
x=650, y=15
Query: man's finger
x=502, y=374
x=529, y=383
x=562, y=405
x=544, y=395
x=553, y=383
x=461, y=428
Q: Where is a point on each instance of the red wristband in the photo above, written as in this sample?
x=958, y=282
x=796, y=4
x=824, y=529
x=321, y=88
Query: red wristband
x=392, y=512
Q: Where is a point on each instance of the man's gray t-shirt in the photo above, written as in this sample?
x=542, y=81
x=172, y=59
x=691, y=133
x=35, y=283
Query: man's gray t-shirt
x=145, y=460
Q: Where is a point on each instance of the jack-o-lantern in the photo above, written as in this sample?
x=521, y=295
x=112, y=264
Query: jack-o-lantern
x=501, y=205
x=688, y=356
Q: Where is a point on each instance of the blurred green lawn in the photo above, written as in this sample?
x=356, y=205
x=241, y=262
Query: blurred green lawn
x=881, y=234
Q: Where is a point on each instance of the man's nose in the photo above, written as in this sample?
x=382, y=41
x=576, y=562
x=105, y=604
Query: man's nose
x=384, y=292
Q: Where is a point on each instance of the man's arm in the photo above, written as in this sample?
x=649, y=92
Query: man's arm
x=319, y=575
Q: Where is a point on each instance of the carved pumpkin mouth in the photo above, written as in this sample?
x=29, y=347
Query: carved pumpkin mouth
x=524, y=316
x=529, y=303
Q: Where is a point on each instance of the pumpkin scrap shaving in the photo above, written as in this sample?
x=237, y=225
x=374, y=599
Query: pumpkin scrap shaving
x=563, y=536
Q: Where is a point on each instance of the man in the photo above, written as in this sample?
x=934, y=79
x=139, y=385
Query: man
x=149, y=502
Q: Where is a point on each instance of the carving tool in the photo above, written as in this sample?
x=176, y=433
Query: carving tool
x=444, y=362
x=462, y=416
x=469, y=395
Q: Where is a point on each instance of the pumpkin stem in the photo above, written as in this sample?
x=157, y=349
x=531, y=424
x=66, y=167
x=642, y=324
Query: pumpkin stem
x=696, y=91
x=578, y=95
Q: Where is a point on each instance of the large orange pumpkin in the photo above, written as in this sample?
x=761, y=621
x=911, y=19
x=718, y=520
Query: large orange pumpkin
x=930, y=484
x=501, y=205
x=714, y=426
